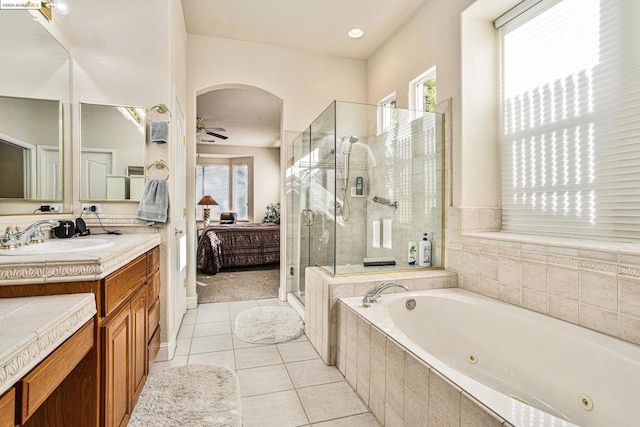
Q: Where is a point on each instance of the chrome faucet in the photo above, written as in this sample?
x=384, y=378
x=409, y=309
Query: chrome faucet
x=373, y=295
x=13, y=238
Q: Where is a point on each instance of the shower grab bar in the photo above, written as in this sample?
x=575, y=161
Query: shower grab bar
x=386, y=202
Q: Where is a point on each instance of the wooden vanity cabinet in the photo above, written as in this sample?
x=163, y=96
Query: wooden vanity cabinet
x=8, y=408
x=126, y=348
x=126, y=340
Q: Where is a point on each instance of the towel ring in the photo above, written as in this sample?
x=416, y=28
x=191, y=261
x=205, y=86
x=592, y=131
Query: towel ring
x=162, y=109
x=160, y=164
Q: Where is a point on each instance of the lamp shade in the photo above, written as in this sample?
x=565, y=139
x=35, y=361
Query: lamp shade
x=207, y=200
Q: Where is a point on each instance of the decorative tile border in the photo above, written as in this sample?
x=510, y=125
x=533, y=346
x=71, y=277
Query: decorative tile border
x=18, y=364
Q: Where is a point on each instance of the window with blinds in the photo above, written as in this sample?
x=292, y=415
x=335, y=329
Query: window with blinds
x=570, y=76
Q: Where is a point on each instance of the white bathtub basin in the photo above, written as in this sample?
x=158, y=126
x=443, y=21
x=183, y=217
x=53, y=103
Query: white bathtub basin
x=58, y=246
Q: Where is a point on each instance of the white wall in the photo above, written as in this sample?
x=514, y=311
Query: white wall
x=431, y=37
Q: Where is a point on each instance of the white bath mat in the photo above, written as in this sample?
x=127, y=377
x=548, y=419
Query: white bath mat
x=268, y=325
x=191, y=395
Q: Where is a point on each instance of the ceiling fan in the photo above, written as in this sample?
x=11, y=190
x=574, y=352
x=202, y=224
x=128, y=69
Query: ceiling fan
x=201, y=127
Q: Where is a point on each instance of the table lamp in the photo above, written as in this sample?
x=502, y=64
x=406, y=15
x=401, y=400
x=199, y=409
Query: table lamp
x=207, y=201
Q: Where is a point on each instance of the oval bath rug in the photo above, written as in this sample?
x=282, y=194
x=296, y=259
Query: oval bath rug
x=191, y=395
x=268, y=325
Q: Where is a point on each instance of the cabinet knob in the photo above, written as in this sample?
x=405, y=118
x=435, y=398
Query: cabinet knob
x=178, y=231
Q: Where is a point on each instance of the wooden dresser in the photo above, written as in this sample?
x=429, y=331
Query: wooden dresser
x=126, y=340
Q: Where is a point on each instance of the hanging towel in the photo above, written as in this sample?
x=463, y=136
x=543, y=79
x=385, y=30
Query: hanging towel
x=154, y=204
x=159, y=132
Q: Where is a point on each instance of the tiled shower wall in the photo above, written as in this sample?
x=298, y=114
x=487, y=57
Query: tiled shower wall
x=591, y=284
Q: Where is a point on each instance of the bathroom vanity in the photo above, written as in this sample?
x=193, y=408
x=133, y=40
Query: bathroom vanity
x=124, y=279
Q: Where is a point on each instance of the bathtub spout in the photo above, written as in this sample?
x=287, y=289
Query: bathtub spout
x=373, y=295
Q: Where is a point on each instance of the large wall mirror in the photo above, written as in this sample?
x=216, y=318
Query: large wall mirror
x=112, y=157
x=34, y=93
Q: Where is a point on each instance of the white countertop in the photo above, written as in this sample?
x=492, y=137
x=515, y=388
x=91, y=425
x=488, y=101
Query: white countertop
x=76, y=266
x=31, y=328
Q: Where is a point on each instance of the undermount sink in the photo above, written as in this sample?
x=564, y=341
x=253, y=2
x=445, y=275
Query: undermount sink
x=58, y=246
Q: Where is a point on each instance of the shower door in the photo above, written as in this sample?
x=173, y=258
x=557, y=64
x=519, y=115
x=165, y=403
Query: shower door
x=312, y=189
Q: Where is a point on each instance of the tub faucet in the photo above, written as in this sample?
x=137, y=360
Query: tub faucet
x=373, y=295
x=13, y=238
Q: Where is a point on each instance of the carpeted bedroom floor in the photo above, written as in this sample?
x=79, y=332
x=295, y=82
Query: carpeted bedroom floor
x=239, y=285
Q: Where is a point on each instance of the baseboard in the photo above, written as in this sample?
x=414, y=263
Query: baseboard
x=192, y=302
x=167, y=350
x=296, y=305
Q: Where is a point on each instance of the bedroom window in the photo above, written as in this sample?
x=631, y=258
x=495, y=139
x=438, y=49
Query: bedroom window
x=570, y=110
x=229, y=184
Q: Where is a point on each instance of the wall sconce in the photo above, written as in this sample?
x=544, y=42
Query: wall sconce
x=48, y=6
x=205, y=202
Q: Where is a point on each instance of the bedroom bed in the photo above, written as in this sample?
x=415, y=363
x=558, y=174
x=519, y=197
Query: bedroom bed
x=237, y=245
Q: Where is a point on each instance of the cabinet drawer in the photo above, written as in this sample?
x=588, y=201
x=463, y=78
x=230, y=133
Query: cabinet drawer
x=38, y=384
x=8, y=408
x=153, y=260
x=153, y=290
x=119, y=286
x=154, y=317
x=154, y=347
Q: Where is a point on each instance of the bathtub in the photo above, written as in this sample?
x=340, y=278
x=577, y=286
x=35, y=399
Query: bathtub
x=531, y=369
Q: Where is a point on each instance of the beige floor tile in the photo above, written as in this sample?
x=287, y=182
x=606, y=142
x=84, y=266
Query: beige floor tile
x=213, y=306
x=312, y=372
x=364, y=420
x=212, y=316
x=219, y=358
x=238, y=343
x=297, y=351
x=330, y=401
x=272, y=301
x=185, y=331
x=257, y=356
x=182, y=347
x=214, y=328
x=176, y=361
x=281, y=409
x=266, y=379
x=211, y=343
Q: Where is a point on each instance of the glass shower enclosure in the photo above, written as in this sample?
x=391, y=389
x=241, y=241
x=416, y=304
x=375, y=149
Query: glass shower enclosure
x=363, y=184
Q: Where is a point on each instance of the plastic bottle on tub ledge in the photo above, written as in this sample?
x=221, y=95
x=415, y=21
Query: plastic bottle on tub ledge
x=412, y=252
x=424, y=254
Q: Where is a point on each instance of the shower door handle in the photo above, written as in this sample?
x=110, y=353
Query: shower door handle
x=308, y=217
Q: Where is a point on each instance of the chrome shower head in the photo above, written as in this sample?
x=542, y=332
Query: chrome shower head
x=353, y=139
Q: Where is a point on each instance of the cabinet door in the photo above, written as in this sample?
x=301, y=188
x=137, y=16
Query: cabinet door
x=8, y=408
x=117, y=362
x=139, y=344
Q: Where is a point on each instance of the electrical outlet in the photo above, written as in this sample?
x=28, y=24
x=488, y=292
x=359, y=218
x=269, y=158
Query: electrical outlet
x=91, y=207
x=50, y=208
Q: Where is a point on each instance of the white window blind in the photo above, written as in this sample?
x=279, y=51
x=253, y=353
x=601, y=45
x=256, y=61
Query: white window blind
x=571, y=120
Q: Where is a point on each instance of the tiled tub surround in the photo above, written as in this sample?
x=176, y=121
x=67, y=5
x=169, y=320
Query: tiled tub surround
x=404, y=363
x=323, y=291
x=33, y=327
x=595, y=284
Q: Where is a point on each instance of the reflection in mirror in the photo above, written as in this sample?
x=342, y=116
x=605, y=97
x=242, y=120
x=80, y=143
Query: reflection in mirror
x=112, y=141
x=30, y=158
x=34, y=90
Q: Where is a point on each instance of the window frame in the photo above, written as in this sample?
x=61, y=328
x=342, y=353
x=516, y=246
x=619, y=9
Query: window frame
x=416, y=92
x=229, y=163
x=385, y=113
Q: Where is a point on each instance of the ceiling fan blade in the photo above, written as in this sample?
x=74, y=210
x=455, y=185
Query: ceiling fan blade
x=216, y=129
x=217, y=135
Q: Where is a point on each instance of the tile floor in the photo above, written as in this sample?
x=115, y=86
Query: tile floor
x=280, y=385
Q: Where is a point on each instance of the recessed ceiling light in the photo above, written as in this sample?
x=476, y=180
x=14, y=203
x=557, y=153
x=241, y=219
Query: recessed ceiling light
x=356, y=33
